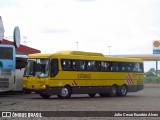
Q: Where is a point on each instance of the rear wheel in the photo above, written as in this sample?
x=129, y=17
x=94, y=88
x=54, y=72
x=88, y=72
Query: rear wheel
x=44, y=96
x=123, y=90
x=65, y=92
x=114, y=91
x=91, y=95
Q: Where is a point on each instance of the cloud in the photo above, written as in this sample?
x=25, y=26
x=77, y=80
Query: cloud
x=53, y=31
x=8, y=3
x=95, y=24
x=86, y=0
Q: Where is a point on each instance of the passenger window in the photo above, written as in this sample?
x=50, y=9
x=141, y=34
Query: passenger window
x=136, y=67
x=66, y=64
x=105, y=66
x=97, y=66
x=141, y=67
x=114, y=66
x=82, y=65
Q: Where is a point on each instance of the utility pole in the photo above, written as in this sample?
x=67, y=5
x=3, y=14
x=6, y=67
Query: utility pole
x=109, y=47
x=77, y=45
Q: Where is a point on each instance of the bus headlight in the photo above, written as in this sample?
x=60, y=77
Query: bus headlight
x=44, y=86
x=24, y=85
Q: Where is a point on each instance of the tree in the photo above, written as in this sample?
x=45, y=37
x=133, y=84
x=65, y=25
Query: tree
x=151, y=76
x=151, y=73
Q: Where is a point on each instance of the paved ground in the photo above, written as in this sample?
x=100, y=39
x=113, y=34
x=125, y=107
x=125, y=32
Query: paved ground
x=145, y=100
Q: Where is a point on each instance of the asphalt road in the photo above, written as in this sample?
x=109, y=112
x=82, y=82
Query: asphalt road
x=145, y=100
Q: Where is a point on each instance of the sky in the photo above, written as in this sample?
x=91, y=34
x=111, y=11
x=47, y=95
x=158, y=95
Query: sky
x=127, y=26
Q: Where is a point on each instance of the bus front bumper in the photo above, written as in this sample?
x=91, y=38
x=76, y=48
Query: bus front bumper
x=49, y=91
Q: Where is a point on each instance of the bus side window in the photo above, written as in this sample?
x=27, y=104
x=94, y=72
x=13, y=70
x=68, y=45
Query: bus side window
x=137, y=67
x=115, y=66
x=82, y=65
x=141, y=67
x=105, y=66
x=54, y=67
x=109, y=66
x=73, y=65
x=119, y=66
x=128, y=67
x=97, y=65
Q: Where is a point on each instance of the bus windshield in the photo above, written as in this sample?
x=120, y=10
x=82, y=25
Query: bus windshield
x=7, y=57
x=37, y=68
x=7, y=67
x=6, y=53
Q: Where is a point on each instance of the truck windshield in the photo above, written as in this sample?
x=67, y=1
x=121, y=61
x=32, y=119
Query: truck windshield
x=37, y=68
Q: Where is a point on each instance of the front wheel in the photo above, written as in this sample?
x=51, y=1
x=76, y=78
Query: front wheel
x=65, y=92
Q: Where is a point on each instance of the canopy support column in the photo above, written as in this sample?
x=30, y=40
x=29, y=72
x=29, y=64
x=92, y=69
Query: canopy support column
x=157, y=68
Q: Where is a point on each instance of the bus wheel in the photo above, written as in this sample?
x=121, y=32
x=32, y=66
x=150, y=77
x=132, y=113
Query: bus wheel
x=44, y=96
x=91, y=95
x=65, y=92
x=114, y=91
x=123, y=90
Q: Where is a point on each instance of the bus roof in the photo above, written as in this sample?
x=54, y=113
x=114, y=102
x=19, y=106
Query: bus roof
x=39, y=55
x=83, y=55
x=79, y=53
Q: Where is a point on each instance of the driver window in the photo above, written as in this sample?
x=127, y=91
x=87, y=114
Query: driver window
x=54, y=67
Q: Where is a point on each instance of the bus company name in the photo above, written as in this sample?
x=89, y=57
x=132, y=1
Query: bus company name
x=21, y=114
x=41, y=82
x=84, y=76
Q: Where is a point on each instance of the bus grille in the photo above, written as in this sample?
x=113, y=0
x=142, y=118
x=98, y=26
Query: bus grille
x=4, y=82
x=5, y=72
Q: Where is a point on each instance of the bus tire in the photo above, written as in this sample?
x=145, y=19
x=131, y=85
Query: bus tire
x=92, y=95
x=123, y=90
x=114, y=91
x=45, y=96
x=65, y=92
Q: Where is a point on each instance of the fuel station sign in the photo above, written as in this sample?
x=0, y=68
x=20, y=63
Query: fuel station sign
x=156, y=47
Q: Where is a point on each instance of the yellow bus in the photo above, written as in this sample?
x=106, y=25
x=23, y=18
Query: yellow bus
x=74, y=72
